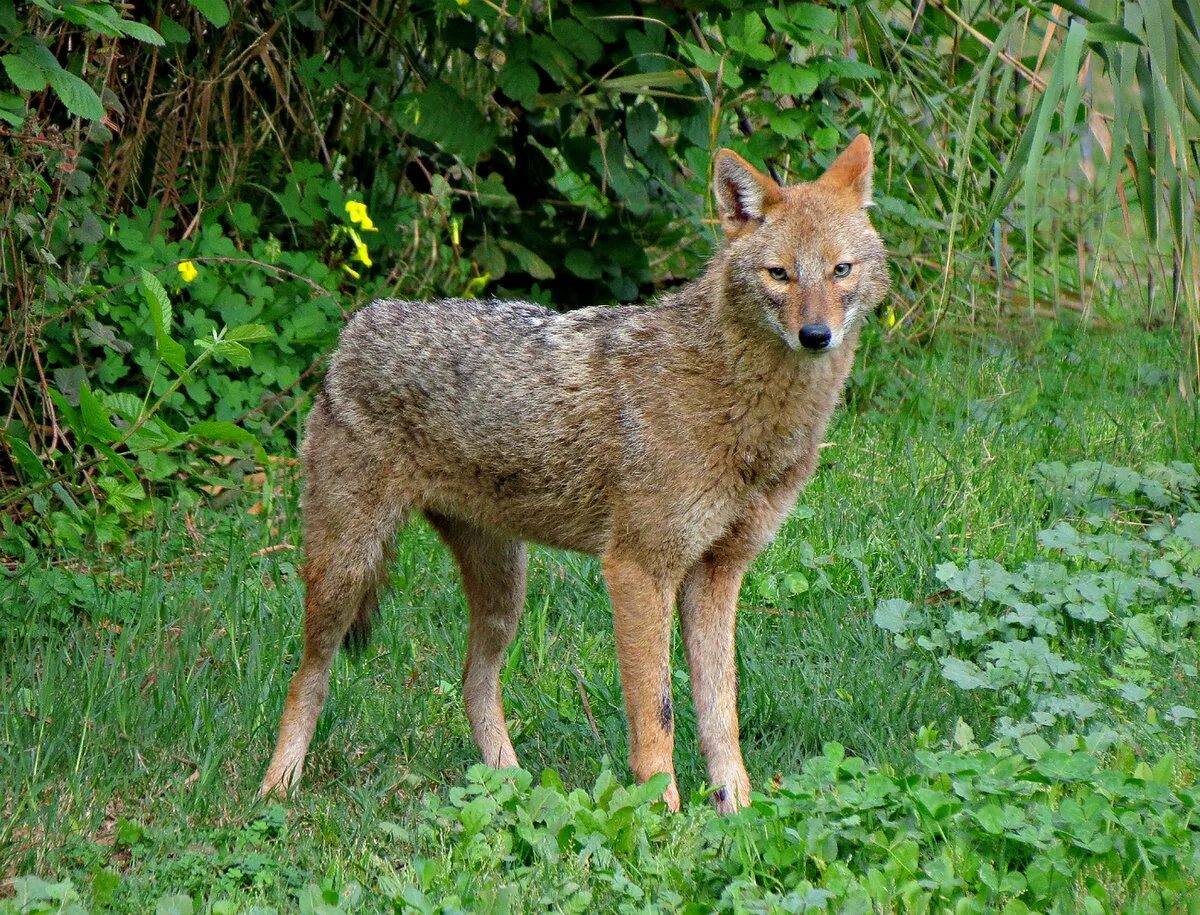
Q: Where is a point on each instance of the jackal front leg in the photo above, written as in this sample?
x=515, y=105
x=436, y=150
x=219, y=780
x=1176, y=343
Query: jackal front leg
x=643, y=605
x=708, y=611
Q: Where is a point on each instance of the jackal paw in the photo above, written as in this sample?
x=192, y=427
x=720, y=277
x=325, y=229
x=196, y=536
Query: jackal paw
x=278, y=785
x=733, y=791
x=671, y=797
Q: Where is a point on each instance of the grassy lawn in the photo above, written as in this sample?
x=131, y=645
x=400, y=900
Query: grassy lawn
x=136, y=723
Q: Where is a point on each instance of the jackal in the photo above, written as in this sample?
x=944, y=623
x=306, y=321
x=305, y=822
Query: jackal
x=669, y=439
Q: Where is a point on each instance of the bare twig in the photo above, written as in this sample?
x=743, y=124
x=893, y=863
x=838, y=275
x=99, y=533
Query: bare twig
x=587, y=706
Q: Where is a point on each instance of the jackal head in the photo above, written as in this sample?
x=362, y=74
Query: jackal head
x=802, y=261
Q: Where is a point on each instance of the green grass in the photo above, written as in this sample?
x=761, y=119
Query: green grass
x=132, y=738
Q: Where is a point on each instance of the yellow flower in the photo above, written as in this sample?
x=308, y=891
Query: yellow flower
x=354, y=273
x=187, y=270
x=360, y=251
x=476, y=286
x=357, y=211
x=360, y=247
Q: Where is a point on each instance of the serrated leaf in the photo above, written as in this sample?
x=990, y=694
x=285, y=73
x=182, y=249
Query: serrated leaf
x=231, y=351
x=215, y=11
x=77, y=96
x=25, y=73
x=141, y=32
x=95, y=416
x=519, y=81
x=250, y=333
x=125, y=405
x=159, y=302
x=578, y=40
x=173, y=32
x=170, y=351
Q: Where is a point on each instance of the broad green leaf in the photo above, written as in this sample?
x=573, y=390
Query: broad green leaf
x=159, y=302
x=77, y=96
x=530, y=262
x=583, y=264
x=95, y=416
x=578, y=40
x=224, y=431
x=493, y=193
x=177, y=904
x=125, y=405
x=442, y=116
x=215, y=11
x=249, y=333
x=118, y=461
x=25, y=72
x=477, y=814
x=12, y=109
x=173, y=32
x=895, y=615
x=812, y=16
x=964, y=674
x=141, y=32
x=231, y=351
x=30, y=463
x=170, y=351
x=789, y=79
x=519, y=81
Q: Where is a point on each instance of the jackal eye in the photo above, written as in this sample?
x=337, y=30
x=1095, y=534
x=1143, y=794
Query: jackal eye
x=841, y=271
x=777, y=273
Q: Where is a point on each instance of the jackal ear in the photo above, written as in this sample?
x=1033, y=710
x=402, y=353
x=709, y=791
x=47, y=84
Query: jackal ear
x=744, y=194
x=851, y=171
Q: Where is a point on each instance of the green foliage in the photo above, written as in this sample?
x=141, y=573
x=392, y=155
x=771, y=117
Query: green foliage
x=1100, y=612
x=970, y=828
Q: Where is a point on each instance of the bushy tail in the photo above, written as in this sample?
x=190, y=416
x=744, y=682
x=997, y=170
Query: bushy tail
x=358, y=636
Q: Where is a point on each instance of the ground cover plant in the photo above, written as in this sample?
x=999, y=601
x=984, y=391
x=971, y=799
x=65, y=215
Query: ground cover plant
x=969, y=673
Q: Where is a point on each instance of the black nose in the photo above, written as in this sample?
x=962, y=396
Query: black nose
x=815, y=336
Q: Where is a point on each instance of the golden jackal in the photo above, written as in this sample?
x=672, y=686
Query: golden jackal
x=669, y=439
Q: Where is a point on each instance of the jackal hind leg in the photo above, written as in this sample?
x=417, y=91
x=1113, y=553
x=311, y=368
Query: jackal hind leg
x=493, y=576
x=350, y=520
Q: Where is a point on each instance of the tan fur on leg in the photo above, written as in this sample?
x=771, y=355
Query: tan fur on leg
x=493, y=576
x=642, y=616
x=350, y=517
x=708, y=614
x=707, y=609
